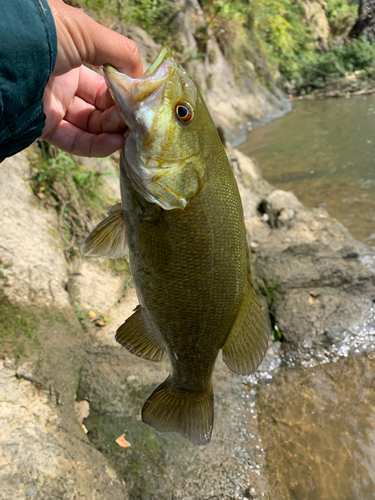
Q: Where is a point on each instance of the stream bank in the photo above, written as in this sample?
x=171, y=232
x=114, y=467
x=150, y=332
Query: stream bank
x=317, y=284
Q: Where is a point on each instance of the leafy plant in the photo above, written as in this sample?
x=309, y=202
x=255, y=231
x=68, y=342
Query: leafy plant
x=74, y=191
x=154, y=16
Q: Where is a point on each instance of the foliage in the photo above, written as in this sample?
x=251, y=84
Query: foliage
x=341, y=15
x=273, y=34
x=154, y=16
x=74, y=191
x=280, y=27
x=320, y=69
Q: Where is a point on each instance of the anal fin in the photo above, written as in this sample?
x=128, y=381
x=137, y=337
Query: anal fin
x=137, y=339
x=108, y=239
x=247, y=343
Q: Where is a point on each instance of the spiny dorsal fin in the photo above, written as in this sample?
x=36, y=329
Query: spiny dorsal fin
x=137, y=339
x=247, y=343
x=190, y=414
x=108, y=239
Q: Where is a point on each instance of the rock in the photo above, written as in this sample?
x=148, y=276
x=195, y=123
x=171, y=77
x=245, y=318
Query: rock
x=96, y=288
x=249, y=101
x=148, y=49
x=42, y=457
x=313, y=252
x=34, y=267
x=315, y=15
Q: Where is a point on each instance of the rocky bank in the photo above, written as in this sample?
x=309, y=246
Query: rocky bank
x=237, y=103
x=317, y=284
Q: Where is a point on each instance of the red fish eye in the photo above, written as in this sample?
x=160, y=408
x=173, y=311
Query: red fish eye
x=184, y=112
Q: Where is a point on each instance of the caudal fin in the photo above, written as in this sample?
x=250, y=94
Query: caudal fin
x=190, y=414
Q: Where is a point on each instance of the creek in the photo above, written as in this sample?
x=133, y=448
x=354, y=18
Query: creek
x=324, y=151
x=316, y=415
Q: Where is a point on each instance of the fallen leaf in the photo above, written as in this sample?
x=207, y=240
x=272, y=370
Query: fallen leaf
x=121, y=441
x=101, y=323
x=82, y=409
x=92, y=314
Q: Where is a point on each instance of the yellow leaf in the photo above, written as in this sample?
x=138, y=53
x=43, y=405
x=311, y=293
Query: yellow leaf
x=121, y=441
x=92, y=314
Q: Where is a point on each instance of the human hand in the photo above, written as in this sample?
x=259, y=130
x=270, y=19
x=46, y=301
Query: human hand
x=80, y=114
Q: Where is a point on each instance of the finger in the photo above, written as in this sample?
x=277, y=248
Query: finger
x=86, y=117
x=104, y=46
x=93, y=89
x=78, y=142
x=81, y=39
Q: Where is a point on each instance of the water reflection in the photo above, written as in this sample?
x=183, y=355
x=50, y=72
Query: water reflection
x=318, y=427
x=325, y=153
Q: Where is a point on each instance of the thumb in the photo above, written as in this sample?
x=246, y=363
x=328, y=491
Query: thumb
x=83, y=40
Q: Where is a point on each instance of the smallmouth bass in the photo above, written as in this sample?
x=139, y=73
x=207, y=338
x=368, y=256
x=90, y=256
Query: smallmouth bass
x=182, y=217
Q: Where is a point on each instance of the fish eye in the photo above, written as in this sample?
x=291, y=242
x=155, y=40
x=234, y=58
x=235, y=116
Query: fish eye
x=184, y=112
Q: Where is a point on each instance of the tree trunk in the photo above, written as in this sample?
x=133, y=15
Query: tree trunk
x=365, y=23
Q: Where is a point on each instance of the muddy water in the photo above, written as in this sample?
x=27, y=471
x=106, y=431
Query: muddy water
x=325, y=152
x=316, y=419
x=318, y=430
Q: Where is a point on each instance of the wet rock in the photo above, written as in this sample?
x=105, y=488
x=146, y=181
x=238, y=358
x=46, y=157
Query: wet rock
x=158, y=465
x=322, y=279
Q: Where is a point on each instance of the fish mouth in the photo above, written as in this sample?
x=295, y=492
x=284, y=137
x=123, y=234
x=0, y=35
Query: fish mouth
x=129, y=92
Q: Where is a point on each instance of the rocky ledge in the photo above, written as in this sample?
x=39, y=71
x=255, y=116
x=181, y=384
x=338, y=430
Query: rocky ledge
x=317, y=285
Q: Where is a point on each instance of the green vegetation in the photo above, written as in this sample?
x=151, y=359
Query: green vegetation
x=296, y=44
x=154, y=16
x=303, y=46
x=17, y=328
x=77, y=193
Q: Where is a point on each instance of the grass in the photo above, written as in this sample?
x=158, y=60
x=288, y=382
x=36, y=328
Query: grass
x=17, y=328
x=76, y=193
x=154, y=16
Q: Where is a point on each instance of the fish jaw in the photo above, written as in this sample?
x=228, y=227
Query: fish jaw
x=163, y=154
x=129, y=93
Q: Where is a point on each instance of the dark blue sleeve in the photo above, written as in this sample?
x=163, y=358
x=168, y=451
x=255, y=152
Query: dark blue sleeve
x=28, y=49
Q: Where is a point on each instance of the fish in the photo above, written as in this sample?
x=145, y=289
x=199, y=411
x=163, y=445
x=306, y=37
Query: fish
x=182, y=219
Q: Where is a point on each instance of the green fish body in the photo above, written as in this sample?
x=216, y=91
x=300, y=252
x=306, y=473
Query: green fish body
x=183, y=219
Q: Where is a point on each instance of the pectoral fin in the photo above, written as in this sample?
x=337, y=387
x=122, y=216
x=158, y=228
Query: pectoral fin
x=247, y=343
x=137, y=339
x=108, y=239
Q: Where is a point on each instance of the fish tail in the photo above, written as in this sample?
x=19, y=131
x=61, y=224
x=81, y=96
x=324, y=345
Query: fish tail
x=191, y=414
